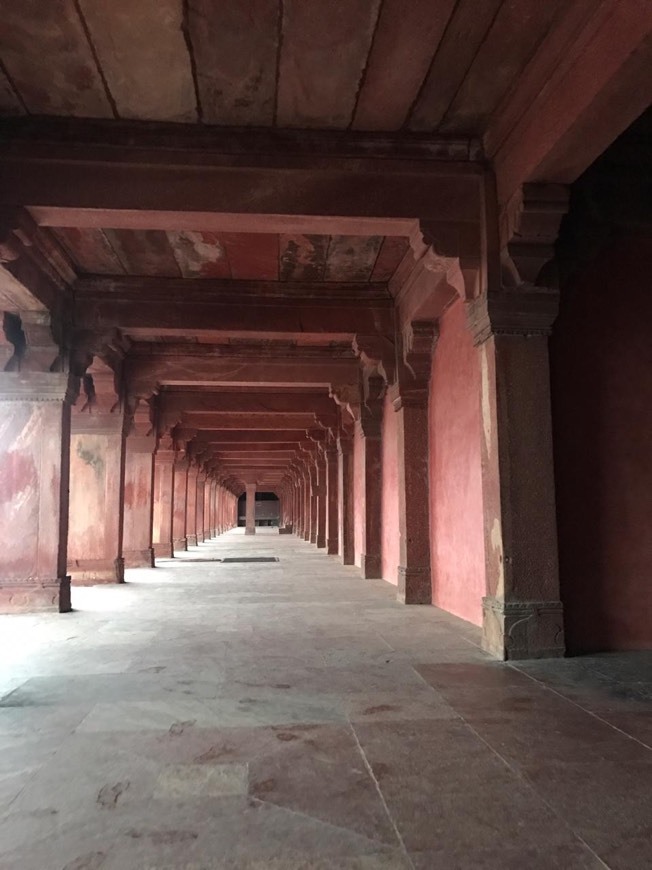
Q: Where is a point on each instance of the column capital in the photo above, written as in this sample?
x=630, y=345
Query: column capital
x=416, y=345
x=525, y=310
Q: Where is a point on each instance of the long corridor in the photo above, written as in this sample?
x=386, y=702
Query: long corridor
x=287, y=714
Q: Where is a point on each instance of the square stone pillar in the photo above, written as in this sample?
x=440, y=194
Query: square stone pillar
x=332, y=499
x=214, y=487
x=314, y=507
x=410, y=401
x=208, y=487
x=307, y=505
x=321, y=493
x=371, y=421
x=137, y=548
x=96, y=515
x=34, y=468
x=345, y=497
x=250, y=518
x=522, y=609
x=191, y=505
x=163, y=498
x=199, y=509
x=180, y=504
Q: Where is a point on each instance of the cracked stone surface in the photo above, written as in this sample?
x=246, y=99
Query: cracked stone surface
x=290, y=715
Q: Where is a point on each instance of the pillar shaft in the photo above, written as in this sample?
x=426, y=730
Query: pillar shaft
x=371, y=560
x=332, y=501
x=137, y=548
x=321, y=491
x=345, y=496
x=250, y=517
x=34, y=468
x=191, y=506
x=522, y=609
x=314, y=507
x=199, y=509
x=179, y=515
x=163, y=503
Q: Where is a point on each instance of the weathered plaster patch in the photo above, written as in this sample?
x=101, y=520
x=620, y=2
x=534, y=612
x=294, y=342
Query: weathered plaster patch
x=486, y=399
x=497, y=549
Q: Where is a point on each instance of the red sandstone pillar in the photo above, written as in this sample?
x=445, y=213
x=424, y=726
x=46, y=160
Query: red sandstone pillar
x=163, y=498
x=179, y=515
x=522, y=609
x=250, y=522
x=371, y=429
x=307, y=504
x=97, y=466
x=191, y=505
x=345, y=495
x=199, y=510
x=214, y=489
x=138, y=490
x=411, y=406
x=332, y=499
x=34, y=463
x=207, y=508
x=314, y=519
x=320, y=476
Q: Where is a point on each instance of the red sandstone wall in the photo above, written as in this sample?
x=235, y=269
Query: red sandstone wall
x=601, y=364
x=456, y=520
x=390, y=527
x=358, y=495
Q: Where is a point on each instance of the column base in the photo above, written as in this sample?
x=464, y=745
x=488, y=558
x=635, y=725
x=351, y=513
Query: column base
x=523, y=629
x=192, y=540
x=163, y=550
x=139, y=558
x=331, y=546
x=250, y=531
x=180, y=544
x=321, y=542
x=92, y=572
x=371, y=567
x=34, y=596
x=414, y=585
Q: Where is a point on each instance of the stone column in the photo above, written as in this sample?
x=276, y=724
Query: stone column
x=522, y=609
x=34, y=466
x=163, y=498
x=411, y=406
x=191, y=505
x=345, y=496
x=250, y=523
x=179, y=511
x=332, y=499
x=320, y=469
x=314, y=515
x=138, y=490
x=199, y=510
x=97, y=467
x=370, y=423
x=307, y=505
x=214, y=490
x=207, y=508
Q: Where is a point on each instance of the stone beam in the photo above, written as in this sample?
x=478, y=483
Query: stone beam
x=84, y=165
x=147, y=373
x=251, y=403
x=217, y=421
x=243, y=436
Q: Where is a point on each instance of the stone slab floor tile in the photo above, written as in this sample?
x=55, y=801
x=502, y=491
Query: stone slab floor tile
x=292, y=715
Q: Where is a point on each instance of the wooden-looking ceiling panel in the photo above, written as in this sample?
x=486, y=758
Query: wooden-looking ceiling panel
x=253, y=256
x=47, y=55
x=235, y=45
x=352, y=258
x=324, y=51
x=302, y=258
x=459, y=45
x=90, y=250
x=200, y=255
x=515, y=33
x=389, y=258
x=142, y=50
x=9, y=101
x=144, y=252
x=405, y=41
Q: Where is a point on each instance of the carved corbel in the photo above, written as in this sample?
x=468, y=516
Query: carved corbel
x=371, y=410
x=416, y=343
x=377, y=353
x=347, y=397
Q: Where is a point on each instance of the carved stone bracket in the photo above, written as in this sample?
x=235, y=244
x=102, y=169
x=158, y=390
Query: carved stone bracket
x=416, y=344
x=526, y=310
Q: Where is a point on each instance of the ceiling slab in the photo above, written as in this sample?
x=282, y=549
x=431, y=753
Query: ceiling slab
x=200, y=254
x=351, y=258
x=48, y=57
x=90, y=250
x=302, y=257
x=235, y=47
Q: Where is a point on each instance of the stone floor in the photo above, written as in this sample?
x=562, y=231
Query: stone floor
x=290, y=715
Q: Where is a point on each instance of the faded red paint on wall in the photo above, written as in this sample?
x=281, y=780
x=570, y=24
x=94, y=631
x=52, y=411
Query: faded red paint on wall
x=390, y=527
x=358, y=496
x=456, y=518
x=601, y=364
